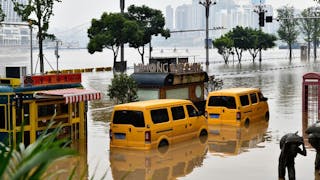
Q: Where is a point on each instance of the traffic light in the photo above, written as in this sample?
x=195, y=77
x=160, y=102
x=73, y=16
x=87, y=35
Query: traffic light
x=261, y=19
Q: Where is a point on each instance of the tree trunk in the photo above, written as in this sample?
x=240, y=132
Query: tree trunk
x=141, y=54
x=41, y=53
x=309, y=48
x=290, y=51
x=239, y=54
x=315, y=49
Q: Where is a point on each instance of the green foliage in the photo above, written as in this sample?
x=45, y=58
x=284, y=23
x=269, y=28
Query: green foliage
x=241, y=39
x=38, y=13
x=224, y=44
x=123, y=89
x=32, y=162
x=306, y=25
x=259, y=40
x=287, y=31
x=151, y=22
x=110, y=31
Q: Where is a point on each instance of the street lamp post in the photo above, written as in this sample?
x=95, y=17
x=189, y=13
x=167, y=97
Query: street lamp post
x=207, y=4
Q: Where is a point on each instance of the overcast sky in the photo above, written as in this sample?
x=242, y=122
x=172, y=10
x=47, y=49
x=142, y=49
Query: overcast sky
x=72, y=13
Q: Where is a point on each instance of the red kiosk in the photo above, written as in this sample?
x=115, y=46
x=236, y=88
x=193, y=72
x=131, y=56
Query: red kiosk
x=310, y=99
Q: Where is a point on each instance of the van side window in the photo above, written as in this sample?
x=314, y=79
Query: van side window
x=244, y=100
x=2, y=117
x=191, y=111
x=159, y=116
x=177, y=113
x=253, y=98
x=223, y=101
x=134, y=118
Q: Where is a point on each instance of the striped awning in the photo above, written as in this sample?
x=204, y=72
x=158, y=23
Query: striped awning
x=71, y=95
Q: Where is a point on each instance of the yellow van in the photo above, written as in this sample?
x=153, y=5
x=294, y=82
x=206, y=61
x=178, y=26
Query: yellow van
x=155, y=123
x=237, y=106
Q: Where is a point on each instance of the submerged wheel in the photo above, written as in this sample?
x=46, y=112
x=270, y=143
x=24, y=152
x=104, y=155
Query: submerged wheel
x=203, y=136
x=203, y=133
x=163, y=143
x=267, y=116
x=247, y=123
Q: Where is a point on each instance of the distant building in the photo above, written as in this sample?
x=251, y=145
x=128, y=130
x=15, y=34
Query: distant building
x=169, y=17
x=13, y=35
x=255, y=2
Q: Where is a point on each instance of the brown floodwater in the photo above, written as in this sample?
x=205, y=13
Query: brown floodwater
x=228, y=153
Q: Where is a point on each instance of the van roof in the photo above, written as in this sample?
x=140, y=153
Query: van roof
x=240, y=90
x=151, y=103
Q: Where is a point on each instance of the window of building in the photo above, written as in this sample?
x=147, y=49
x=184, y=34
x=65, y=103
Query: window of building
x=159, y=116
x=2, y=117
x=49, y=109
x=148, y=94
x=75, y=110
x=25, y=115
x=180, y=93
x=177, y=113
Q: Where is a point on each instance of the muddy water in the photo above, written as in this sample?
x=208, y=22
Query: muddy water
x=229, y=152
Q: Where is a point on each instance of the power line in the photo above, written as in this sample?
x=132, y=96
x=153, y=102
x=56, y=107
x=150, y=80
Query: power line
x=195, y=30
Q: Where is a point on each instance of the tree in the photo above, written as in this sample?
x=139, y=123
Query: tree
x=110, y=32
x=151, y=22
x=241, y=42
x=306, y=27
x=38, y=13
x=259, y=40
x=288, y=27
x=123, y=89
x=225, y=47
x=315, y=30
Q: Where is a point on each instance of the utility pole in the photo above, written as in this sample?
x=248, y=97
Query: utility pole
x=56, y=52
x=207, y=4
x=260, y=10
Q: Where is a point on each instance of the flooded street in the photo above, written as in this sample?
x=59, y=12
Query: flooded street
x=229, y=153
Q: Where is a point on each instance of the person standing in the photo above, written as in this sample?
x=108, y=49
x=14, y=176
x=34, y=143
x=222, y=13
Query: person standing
x=290, y=147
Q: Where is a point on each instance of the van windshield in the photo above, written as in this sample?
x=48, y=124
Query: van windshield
x=222, y=101
x=134, y=118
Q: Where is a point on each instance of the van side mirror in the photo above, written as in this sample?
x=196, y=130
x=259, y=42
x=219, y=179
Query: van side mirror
x=264, y=99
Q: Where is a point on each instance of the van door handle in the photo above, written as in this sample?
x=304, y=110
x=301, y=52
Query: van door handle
x=223, y=110
x=129, y=129
x=186, y=126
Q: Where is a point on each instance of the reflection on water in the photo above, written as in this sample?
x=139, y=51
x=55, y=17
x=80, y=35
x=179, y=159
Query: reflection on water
x=226, y=140
x=176, y=161
x=65, y=167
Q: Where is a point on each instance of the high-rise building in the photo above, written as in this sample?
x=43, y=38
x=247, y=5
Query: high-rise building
x=255, y=2
x=169, y=17
x=7, y=7
x=13, y=35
